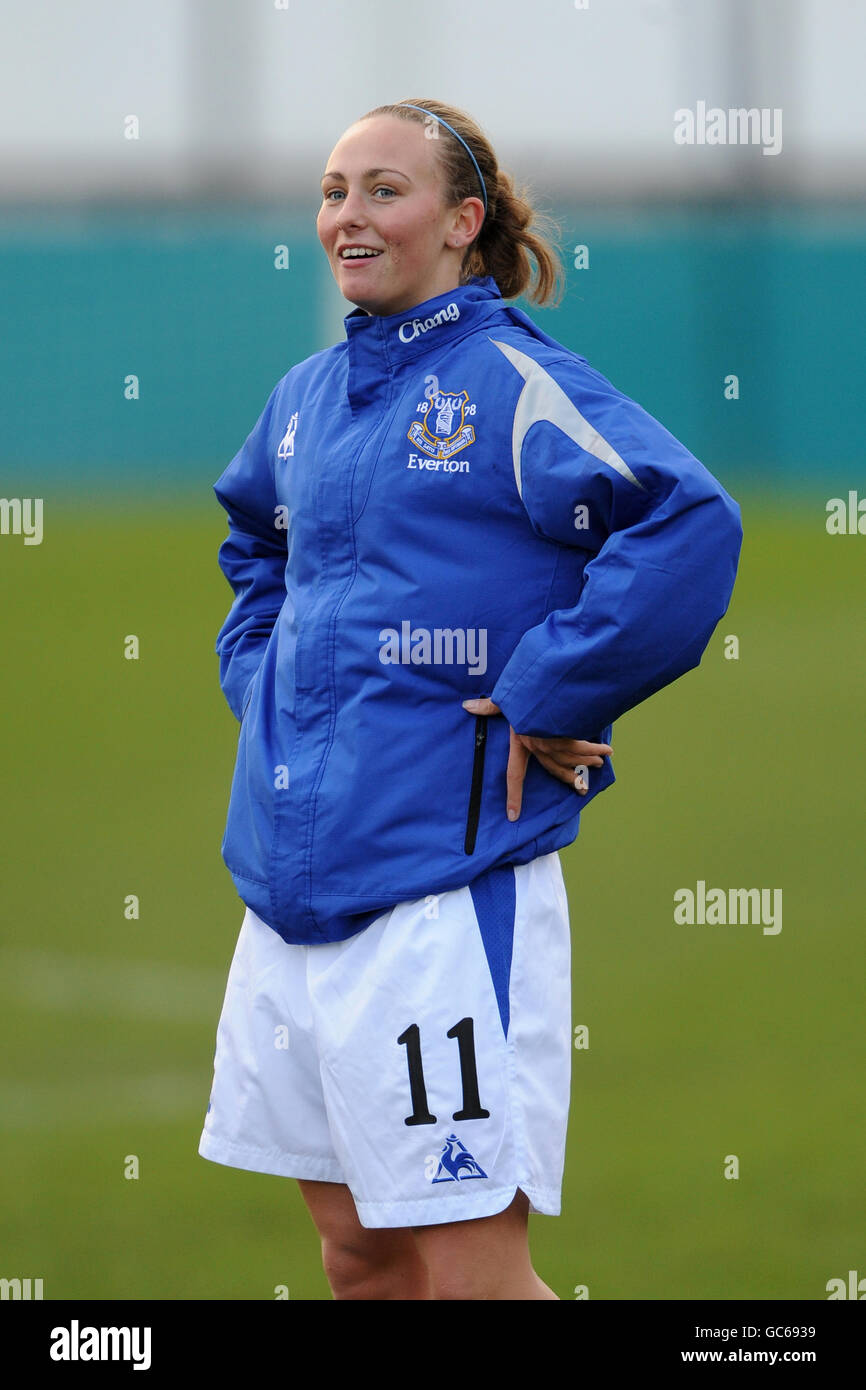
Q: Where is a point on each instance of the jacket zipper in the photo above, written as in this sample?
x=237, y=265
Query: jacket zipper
x=477, y=779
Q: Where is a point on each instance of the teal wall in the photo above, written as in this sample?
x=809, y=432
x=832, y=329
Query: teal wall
x=189, y=300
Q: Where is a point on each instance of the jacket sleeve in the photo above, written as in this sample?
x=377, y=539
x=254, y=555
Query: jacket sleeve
x=662, y=536
x=253, y=560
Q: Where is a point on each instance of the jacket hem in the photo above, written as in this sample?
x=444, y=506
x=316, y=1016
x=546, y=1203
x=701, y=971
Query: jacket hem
x=247, y=878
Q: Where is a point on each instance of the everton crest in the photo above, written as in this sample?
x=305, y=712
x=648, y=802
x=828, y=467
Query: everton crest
x=443, y=430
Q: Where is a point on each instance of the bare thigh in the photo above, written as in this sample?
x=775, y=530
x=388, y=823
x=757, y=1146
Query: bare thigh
x=485, y=1258
x=380, y=1263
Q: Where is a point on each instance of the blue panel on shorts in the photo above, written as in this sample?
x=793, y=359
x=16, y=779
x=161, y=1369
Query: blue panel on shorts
x=494, y=896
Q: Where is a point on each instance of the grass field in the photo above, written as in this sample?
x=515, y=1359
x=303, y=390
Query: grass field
x=704, y=1041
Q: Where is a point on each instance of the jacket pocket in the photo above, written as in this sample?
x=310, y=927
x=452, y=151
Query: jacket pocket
x=477, y=781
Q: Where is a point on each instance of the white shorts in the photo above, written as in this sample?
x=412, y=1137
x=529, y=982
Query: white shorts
x=425, y=1062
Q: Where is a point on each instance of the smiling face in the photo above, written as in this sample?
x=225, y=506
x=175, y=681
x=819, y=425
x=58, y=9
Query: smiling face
x=383, y=190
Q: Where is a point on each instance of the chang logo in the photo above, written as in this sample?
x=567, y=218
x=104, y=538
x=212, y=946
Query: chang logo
x=409, y=330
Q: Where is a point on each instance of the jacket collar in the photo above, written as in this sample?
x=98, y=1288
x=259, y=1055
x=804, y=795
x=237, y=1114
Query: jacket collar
x=382, y=342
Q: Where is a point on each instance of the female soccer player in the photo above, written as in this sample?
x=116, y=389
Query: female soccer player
x=458, y=554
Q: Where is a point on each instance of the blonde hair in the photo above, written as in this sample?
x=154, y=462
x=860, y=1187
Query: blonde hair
x=512, y=229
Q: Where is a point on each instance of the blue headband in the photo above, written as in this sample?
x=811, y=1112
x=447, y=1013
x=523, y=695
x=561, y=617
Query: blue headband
x=460, y=138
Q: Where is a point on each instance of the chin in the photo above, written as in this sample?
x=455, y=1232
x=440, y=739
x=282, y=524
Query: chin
x=370, y=306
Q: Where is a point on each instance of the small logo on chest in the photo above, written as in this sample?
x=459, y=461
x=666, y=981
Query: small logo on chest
x=287, y=445
x=442, y=430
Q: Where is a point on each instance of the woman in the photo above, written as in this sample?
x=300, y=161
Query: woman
x=458, y=553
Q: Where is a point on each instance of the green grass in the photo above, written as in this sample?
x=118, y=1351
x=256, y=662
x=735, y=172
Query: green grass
x=705, y=1041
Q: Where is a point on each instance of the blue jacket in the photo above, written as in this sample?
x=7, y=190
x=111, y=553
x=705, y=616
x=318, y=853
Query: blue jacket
x=447, y=504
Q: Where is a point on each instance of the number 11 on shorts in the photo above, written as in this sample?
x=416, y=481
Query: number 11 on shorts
x=465, y=1035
